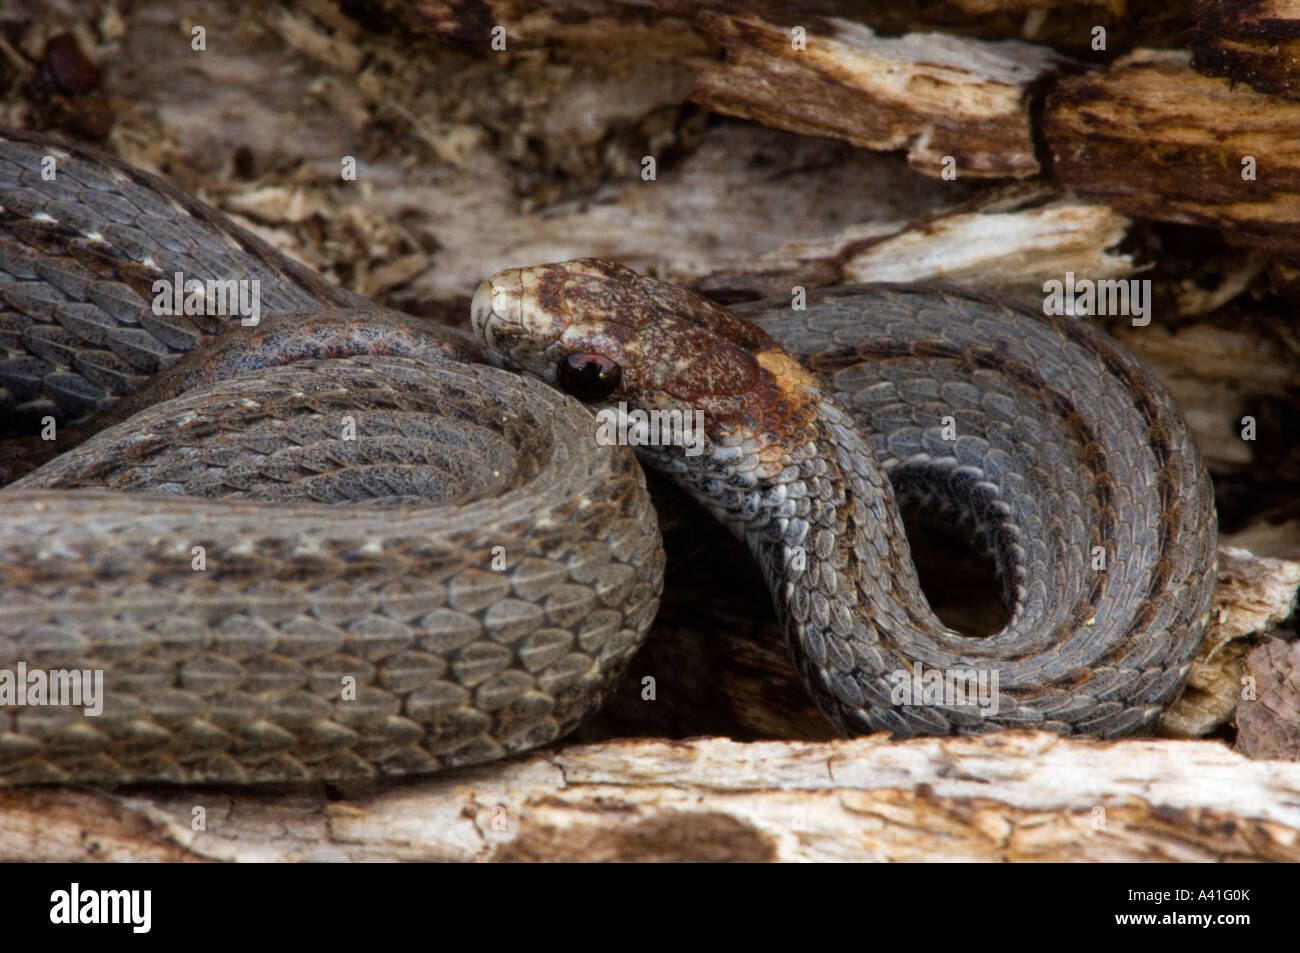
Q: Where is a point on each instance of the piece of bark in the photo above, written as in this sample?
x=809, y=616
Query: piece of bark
x=1253, y=595
x=952, y=103
x=1006, y=239
x=746, y=212
x=1011, y=250
x=1268, y=719
x=1061, y=23
x=1256, y=42
x=1154, y=138
x=1213, y=691
x=1012, y=796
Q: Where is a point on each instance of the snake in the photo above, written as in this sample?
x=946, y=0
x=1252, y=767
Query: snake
x=343, y=543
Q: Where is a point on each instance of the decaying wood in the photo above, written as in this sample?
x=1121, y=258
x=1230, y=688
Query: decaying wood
x=1256, y=42
x=1014, y=796
x=1154, y=138
x=1008, y=249
x=939, y=97
x=1003, y=239
x=1254, y=595
x=1218, y=374
x=1269, y=719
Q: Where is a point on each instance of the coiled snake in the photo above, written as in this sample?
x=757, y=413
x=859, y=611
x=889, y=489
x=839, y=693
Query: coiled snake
x=334, y=545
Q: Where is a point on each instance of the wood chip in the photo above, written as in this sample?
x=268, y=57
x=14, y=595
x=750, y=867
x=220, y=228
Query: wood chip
x=1253, y=595
x=1127, y=136
x=1268, y=720
x=939, y=97
x=1256, y=42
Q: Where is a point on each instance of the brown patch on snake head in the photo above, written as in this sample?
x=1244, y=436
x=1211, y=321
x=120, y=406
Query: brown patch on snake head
x=675, y=349
x=623, y=297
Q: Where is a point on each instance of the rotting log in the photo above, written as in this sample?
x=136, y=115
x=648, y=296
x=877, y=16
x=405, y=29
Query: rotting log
x=955, y=104
x=1153, y=138
x=1012, y=796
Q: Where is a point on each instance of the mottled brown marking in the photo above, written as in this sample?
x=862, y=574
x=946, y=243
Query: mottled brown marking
x=668, y=341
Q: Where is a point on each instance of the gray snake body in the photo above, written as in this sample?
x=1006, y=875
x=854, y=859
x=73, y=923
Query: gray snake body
x=335, y=547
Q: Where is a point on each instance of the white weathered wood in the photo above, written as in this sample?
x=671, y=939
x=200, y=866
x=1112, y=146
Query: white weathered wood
x=1002, y=797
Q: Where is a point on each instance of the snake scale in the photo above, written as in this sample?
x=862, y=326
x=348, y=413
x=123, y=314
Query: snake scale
x=345, y=543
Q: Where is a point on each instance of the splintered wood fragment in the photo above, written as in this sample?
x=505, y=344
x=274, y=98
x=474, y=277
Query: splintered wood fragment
x=936, y=96
x=1256, y=42
x=1011, y=796
x=1253, y=595
x=1007, y=245
x=1006, y=237
x=1156, y=139
x=1268, y=721
x=1012, y=249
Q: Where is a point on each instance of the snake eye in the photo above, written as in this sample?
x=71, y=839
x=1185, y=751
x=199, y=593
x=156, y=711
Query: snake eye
x=589, y=376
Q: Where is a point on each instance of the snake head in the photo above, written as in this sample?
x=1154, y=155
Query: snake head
x=624, y=343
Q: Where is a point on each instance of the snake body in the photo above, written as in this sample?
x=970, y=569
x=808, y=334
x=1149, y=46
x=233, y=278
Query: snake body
x=335, y=546
x=1036, y=438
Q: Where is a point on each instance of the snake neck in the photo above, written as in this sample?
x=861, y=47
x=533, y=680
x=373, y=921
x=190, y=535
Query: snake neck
x=814, y=508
